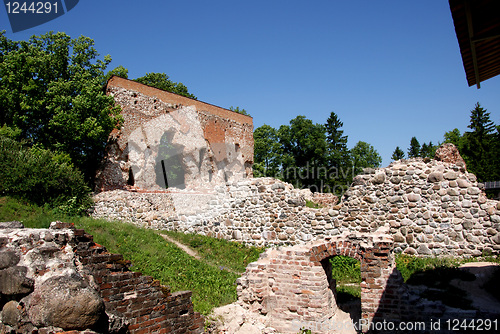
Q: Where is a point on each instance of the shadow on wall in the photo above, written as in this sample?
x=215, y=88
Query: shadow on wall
x=168, y=167
x=441, y=300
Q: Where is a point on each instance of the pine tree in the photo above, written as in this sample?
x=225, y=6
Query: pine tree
x=479, y=152
x=398, y=154
x=414, y=149
x=338, y=156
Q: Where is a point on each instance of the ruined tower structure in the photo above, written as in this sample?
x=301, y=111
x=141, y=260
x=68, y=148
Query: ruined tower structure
x=171, y=141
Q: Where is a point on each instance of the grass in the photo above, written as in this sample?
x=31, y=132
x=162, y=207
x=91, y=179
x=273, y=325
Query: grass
x=347, y=272
x=313, y=205
x=151, y=255
x=219, y=252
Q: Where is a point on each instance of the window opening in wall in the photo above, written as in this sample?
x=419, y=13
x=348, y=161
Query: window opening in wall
x=169, y=166
x=130, y=180
x=344, y=278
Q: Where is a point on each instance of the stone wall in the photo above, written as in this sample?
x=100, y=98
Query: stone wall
x=201, y=145
x=58, y=279
x=430, y=208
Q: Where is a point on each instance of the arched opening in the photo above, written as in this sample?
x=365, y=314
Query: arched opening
x=344, y=279
x=168, y=165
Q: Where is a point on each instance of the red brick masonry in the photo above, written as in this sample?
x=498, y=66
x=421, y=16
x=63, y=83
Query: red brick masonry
x=148, y=306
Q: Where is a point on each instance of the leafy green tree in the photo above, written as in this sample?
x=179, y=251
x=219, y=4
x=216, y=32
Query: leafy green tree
x=364, y=155
x=267, y=151
x=51, y=91
x=339, y=162
x=42, y=177
x=454, y=137
x=304, y=151
x=162, y=81
x=119, y=71
x=414, y=149
x=239, y=111
x=398, y=154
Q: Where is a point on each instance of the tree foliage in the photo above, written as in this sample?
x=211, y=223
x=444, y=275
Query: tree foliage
x=414, y=149
x=51, y=92
x=480, y=146
x=364, y=155
x=162, y=81
x=42, y=177
x=239, y=111
x=310, y=155
x=267, y=151
x=119, y=71
x=398, y=154
x=339, y=158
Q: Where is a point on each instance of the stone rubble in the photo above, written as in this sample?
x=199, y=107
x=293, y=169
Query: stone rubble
x=42, y=285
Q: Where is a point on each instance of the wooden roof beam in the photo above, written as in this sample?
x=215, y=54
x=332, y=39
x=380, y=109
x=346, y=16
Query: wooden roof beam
x=470, y=27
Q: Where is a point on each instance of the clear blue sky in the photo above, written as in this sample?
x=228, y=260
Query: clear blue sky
x=389, y=69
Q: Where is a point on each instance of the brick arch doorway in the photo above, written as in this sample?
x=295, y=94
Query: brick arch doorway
x=291, y=285
x=344, y=300
x=377, y=264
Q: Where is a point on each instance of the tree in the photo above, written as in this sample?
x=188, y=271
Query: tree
x=398, y=154
x=479, y=145
x=454, y=137
x=119, y=71
x=414, y=149
x=161, y=81
x=428, y=150
x=364, y=155
x=239, y=111
x=338, y=157
x=303, y=145
x=51, y=91
x=267, y=157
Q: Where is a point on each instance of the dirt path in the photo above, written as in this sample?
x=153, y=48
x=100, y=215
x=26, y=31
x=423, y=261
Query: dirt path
x=191, y=252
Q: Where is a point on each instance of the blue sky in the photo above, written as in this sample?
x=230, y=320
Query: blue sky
x=389, y=69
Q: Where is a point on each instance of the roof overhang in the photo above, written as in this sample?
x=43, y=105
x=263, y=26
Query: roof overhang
x=477, y=25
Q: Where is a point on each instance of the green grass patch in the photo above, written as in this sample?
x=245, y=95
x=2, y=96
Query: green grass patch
x=313, y=205
x=409, y=265
x=219, y=252
x=151, y=255
x=31, y=215
x=347, y=272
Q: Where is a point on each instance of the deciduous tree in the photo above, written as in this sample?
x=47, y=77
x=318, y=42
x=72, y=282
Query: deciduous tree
x=51, y=91
x=162, y=81
x=364, y=155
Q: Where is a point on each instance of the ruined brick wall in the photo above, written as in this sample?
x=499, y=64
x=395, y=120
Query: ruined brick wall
x=294, y=289
x=212, y=144
x=132, y=301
